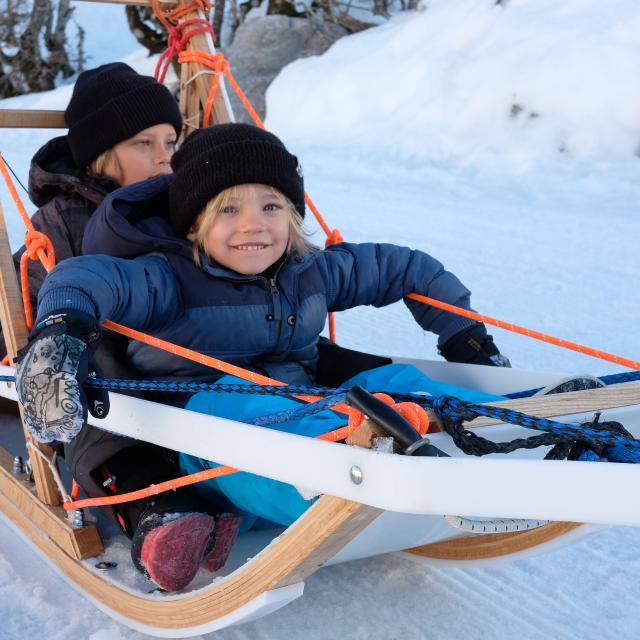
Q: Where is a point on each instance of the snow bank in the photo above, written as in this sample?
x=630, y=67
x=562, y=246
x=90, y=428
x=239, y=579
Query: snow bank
x=471, y=82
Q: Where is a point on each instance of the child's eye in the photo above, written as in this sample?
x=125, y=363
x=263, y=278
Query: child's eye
x=228, y=209
x=144, y=143
x=272, y=207
x=171, y=145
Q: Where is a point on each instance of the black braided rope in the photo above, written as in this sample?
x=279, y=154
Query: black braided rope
x=609, y=438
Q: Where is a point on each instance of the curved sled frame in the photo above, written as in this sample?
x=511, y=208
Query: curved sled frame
x=494, y=545
x=250, y=591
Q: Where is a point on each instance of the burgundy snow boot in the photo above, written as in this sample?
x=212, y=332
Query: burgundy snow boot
x=227, y=527
x=169, y=547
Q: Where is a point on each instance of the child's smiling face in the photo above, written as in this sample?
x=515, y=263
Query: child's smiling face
x=251, y=232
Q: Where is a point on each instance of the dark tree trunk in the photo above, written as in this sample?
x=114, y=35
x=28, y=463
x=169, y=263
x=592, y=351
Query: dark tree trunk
x=147, y=29
x=33, y=45
x=218, y=16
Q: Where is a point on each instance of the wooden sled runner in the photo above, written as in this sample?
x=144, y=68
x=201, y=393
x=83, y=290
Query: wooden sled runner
x=397, y=504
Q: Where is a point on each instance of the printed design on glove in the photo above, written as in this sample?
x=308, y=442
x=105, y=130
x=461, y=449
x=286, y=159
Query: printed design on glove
x=48, y=389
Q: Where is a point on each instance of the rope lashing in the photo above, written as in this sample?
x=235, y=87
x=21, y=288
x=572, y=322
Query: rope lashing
x=531, y=333
x=177, y=41
x=452, y=412
x=330, y=396
x=413, y=413
x=168, y=17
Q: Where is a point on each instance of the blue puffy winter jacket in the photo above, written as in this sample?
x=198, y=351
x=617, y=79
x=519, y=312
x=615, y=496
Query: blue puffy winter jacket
x=268, y=324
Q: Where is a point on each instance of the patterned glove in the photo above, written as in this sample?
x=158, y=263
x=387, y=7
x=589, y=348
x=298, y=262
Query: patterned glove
x=52, y=369
x=473, y=346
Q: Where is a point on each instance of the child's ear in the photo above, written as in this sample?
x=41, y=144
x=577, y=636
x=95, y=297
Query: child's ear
x=191, y=236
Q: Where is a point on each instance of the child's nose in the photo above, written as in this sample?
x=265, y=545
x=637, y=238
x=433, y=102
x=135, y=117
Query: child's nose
x=163, y=154
x=251, y=220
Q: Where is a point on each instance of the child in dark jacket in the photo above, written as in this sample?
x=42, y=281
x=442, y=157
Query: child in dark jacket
x=230, y=274
x=123, y=128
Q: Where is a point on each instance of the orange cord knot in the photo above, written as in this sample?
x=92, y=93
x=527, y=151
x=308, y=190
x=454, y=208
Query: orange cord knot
x=413, y=413
x=38, y=247
x=169, y=17
x=335, y=237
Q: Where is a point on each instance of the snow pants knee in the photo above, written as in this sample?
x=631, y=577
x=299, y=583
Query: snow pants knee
x=266, y=502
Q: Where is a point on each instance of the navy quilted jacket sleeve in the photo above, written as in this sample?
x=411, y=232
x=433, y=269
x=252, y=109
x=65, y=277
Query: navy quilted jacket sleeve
x=380, y=274
x=142, y=294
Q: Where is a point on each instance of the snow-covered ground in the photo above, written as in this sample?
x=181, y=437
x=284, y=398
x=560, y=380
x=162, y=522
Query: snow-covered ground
x=504, y=140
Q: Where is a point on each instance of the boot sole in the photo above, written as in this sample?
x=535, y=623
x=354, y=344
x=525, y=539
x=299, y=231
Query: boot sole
x=172, y=553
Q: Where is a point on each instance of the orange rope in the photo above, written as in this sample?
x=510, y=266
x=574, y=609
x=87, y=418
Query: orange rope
x=152, y=490
x=168, y=17
x=37, y=246
x=218, y=364
x=531, y=333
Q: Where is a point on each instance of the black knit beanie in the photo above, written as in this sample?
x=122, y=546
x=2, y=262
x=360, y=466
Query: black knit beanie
x=226, y=155
x=113, y=103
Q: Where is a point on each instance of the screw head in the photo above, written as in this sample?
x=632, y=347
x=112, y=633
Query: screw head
x=356, y=474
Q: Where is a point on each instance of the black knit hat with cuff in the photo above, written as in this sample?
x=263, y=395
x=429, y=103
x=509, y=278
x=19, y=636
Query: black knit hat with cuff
x=227, y=155
x=112, y=103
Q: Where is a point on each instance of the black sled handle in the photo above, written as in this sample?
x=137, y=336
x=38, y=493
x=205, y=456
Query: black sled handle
x=392, y=423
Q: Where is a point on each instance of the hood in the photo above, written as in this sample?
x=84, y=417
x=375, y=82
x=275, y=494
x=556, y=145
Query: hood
x=132, y=221
x=53, y=173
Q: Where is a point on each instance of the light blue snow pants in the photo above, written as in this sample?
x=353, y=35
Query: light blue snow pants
x=267, y=503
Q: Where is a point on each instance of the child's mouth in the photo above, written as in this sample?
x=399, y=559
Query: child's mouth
x=250, y=247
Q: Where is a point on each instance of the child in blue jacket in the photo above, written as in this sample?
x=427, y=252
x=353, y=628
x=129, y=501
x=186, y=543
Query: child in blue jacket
x=229, y=274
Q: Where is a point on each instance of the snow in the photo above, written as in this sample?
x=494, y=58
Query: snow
x=504, y=140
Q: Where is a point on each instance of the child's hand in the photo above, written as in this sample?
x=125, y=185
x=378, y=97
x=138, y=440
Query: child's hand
x=473, y=346
x=51, y=371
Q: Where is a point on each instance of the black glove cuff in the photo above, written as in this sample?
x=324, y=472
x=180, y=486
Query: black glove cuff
x=75, y=323
x=473, y=346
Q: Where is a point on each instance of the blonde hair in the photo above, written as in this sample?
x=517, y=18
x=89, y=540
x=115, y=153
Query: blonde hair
x=207, y=217
x=98, y=168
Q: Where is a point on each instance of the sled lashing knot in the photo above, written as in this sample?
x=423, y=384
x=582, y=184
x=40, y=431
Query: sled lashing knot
x=594, y=440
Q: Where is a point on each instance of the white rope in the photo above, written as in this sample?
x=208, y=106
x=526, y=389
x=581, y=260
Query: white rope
x=208, y=72
x=51, y=463
x=495, y=525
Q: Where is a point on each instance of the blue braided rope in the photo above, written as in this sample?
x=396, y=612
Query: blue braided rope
x=181, y=386
x=619, y=448
x=300, y=412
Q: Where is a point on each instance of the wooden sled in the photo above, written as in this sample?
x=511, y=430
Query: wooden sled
x=359, y=520
x=397, y=505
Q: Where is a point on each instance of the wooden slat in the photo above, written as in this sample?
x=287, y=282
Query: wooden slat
x=493, y=545
x=32, y=119
x=564, y=404
x=194, y=94
x=50, y=521
x=15, y=335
